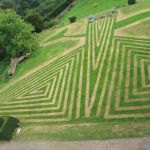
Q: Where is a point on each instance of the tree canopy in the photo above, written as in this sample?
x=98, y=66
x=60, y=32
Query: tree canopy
x=16, y=36
x=35, y=19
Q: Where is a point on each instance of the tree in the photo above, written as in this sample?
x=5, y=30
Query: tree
x=73, y=19
x=10, y=4
x=34, y=19
x=130, y=2
x=16, y=36
x=34, y=3
x=7, y=4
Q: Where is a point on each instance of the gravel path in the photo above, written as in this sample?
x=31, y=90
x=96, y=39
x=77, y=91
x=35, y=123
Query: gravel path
x=122, y=144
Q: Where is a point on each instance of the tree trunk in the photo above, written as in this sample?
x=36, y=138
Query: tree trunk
x=15, y=61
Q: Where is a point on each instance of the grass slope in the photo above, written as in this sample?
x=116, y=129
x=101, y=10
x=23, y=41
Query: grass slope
x=132, y=19
x=129, y=11
x=137, y=29
x=97, y=85
x=87, y=7
x=43, y=54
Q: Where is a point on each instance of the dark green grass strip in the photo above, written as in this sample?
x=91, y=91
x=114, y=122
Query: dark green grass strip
x=133, y=19
x=58, y=36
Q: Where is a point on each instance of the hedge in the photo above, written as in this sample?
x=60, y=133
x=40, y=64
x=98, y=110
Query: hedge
x=130, y=2
x=7, y=127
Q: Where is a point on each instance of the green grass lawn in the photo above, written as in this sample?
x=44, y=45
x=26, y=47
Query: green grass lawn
x=88, y=7
x=141, y=29
x=98, y=89
x=42, y=55
x=132, y=19
x=139, y=6
x=137, y=29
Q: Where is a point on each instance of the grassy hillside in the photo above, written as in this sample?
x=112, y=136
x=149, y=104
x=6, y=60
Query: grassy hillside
x=138, y=8
x=139, y=29
x=85, y=81
x=87, y=7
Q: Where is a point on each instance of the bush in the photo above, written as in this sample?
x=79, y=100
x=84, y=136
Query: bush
x=35, y=20
x=72, y=19
x=51, y=23
x=1, y=122
x=7, y=128
x=130, y=2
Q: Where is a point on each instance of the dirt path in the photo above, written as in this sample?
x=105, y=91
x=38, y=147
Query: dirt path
x=120, y=144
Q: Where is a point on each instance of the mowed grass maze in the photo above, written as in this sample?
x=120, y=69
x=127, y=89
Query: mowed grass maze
x=104, y=80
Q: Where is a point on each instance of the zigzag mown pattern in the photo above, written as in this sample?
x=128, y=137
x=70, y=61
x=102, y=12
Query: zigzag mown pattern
x=108, y=78
x=48, y=94
x=129, y=94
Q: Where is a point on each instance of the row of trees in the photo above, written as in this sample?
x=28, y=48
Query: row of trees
x=24, y=9
x=20, y=6
x=39, y=13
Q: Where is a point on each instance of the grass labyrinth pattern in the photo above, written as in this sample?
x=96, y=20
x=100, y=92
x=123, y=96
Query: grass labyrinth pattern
x=108, y=78
x=131, y=95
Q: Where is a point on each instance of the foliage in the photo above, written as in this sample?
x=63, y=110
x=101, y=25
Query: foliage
x=42, y=11
x=53, y=22
x=35, y=19
x=34, y=3
x=1, y=122
x=16, y=36
x=47, y=8
x=72, y=19
x=130, y=2
x=7, y=4
x=20, y=6
x=7, y=127
x=60, y=8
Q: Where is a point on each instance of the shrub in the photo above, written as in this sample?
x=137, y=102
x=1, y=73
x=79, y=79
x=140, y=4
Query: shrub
x=130, y=2
x=1, y=122
x=35, y=19
x=72, y=19
x=51, y=23
x=7, y=128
